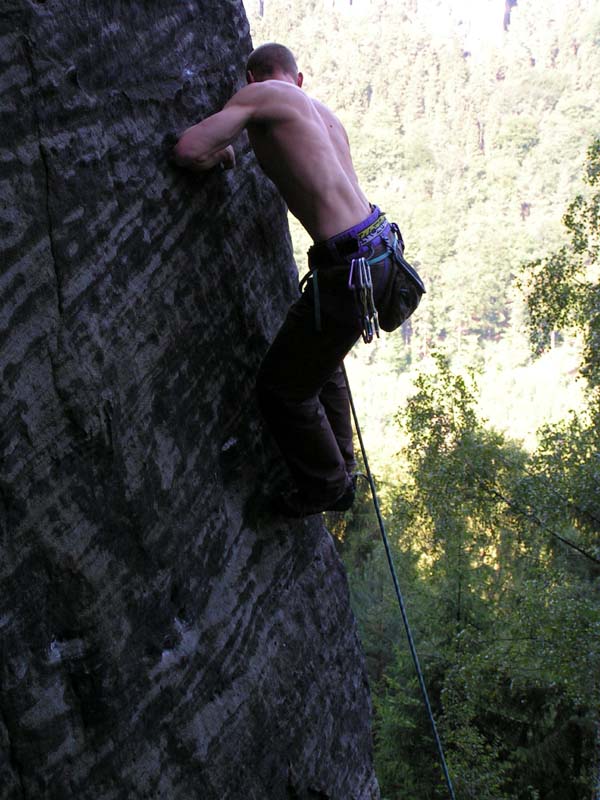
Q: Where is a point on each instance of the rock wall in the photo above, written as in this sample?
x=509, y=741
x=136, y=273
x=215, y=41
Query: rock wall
x=159, y=639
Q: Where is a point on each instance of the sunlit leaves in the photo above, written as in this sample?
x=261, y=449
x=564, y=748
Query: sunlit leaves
x=505, y=617
x=563, y=290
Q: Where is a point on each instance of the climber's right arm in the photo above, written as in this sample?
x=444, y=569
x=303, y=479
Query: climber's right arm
x=208, y=143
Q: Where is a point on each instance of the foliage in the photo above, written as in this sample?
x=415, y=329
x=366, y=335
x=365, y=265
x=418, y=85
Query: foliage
x=564, y=288
x=506, y=619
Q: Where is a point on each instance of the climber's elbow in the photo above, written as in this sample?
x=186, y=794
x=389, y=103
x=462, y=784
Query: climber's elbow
x=207, y=143
x=188, y=153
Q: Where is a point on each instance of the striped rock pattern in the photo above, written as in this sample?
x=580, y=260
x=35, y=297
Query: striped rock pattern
x=159, y=638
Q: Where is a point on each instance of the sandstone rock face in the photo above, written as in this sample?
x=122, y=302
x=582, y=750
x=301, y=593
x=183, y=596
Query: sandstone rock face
x=159, y=639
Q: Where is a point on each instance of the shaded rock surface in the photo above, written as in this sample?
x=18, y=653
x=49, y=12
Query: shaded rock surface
x=159, y=638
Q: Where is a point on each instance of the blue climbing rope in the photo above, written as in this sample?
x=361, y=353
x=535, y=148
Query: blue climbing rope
x=390, y=559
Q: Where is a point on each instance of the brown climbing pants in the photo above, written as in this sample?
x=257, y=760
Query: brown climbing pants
x=301, y=387
x=303, y=398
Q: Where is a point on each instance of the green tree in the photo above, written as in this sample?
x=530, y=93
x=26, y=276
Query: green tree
x=504, y=615
x=564, y=288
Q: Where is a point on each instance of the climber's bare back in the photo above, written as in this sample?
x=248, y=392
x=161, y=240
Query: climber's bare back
x=303, y=148
x=300, y=144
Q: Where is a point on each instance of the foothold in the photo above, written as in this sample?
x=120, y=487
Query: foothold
x=231, y=442
x=180, y=625
x=72, y=75
x=54, y=653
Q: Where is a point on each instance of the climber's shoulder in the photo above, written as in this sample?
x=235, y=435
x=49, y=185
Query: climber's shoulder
x=270, y=101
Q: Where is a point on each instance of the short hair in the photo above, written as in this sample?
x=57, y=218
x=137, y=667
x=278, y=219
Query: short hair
x=269, y=57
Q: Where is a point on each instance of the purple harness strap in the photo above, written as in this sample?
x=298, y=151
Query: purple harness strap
x=358, y=231
x=351, y=243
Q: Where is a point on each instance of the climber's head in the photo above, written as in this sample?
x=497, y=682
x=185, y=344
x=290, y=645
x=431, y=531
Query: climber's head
x=273, y=62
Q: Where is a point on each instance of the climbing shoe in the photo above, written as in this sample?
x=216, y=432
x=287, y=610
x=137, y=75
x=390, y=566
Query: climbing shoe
x=296, y=505
x=293, y=505
x=344, y=502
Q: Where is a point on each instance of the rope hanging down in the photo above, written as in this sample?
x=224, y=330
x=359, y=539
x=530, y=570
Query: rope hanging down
x=388, y=553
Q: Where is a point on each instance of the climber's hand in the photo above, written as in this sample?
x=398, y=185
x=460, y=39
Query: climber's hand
x=223, y=159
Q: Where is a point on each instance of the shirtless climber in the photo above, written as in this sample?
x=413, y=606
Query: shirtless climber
x=303, y=148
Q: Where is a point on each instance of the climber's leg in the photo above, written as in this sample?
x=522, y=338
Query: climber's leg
x=334, y=397
x=299, y=364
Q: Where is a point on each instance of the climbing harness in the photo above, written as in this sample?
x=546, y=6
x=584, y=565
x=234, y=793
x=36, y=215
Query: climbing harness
x=356, y=254
x=390, y=560
x=360, y=281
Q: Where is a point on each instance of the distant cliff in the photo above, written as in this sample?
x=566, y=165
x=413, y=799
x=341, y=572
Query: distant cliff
x=157, y=641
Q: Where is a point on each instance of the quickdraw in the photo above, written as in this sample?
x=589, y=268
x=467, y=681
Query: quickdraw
x=361, y=281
